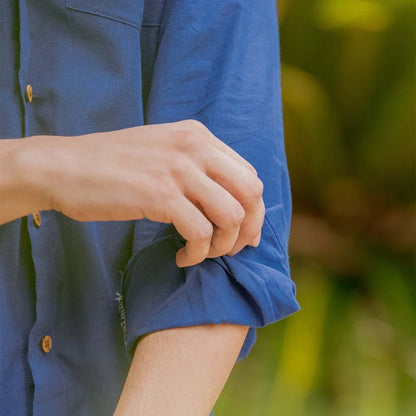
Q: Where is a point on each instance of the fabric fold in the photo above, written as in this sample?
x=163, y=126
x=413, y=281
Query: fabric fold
x=235, y=290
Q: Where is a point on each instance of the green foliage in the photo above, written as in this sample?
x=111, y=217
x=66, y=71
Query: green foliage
x=348, y=72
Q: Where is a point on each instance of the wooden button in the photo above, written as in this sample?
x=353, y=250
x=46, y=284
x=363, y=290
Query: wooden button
x=46, y=344
x=37, y=220
x=29, y=93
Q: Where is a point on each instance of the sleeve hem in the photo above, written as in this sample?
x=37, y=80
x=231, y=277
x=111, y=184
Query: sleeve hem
x=159, y=295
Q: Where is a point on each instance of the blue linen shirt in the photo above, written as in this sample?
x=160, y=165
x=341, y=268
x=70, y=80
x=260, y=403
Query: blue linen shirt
x=96, y=287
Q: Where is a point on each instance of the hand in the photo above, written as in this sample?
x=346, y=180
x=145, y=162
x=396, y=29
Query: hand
x=176, y=173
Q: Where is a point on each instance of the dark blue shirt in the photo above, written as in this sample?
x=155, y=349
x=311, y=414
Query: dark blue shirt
x=92, y=288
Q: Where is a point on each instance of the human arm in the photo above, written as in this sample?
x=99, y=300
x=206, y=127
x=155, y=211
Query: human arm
x=180, y=371
x=173, y=173
x=22, y=189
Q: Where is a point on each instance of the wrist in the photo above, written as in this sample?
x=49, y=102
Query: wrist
x=38, y=169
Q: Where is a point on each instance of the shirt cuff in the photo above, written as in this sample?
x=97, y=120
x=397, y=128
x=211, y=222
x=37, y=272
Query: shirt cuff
x=251, y=288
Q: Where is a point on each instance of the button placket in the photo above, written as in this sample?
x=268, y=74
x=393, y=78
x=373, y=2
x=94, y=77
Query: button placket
x=36, y=217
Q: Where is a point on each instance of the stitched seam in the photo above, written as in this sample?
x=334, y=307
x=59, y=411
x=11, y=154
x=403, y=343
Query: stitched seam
x=105, y=15
x=122, y=316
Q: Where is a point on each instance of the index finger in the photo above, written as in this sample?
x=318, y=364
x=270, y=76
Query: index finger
x=219, y=144
x=215, y=141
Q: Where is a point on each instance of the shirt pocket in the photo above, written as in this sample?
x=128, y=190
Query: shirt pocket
x=129, y=12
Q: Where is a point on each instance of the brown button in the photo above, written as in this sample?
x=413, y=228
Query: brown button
x=46, y=344
x=37, y=220
x=29, y=93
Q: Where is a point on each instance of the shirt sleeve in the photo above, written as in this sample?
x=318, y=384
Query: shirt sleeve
x=218, y=62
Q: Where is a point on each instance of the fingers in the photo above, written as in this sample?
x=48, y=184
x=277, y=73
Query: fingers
x=247, y=189
x=194, y=227
x=256, y=241
x=250, y=230
x=254, y=209
x=201, y=130
x=213, y=221
x=220, y=207
x=231, y=152
x=219, y=216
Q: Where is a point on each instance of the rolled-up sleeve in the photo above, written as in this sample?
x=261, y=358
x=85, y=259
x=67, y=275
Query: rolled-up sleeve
x=218, y=62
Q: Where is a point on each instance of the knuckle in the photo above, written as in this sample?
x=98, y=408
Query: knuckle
x=258, y=188
x=253, y=169
x=194, y=125
x=185, y=138
x=187, y=142
x=255, y=189
x=204, y=232
x=167, y=190
x=180, y=167
x=236, y=216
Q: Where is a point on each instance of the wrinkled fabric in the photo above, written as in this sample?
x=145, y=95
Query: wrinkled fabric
x=96, y=287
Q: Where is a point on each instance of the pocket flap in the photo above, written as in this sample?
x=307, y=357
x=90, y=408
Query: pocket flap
x=129, y=12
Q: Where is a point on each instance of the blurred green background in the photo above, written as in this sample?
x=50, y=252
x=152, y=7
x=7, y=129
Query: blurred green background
x=348, y=76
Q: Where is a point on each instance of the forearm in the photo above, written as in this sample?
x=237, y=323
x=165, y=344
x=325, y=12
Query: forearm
x=23, y=177
x=177, y=173
x=180, y=371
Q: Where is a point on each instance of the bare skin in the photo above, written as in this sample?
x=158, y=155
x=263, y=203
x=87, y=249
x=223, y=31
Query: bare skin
x=180, y=371
x=176, y=173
